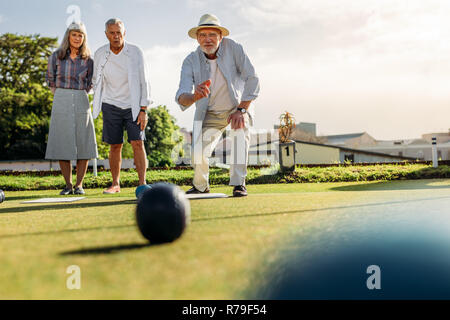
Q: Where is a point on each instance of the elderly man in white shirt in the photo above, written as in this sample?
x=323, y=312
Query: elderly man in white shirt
x=220, y=79
x=122, y=93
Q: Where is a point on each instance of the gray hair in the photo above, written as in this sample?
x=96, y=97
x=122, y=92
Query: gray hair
x=84, y=50
x=114, y=21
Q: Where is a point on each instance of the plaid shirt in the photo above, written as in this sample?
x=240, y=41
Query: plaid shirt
x=70, y=74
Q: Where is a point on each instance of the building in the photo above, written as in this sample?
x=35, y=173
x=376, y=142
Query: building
x=441, y=137
x=419, y=149
x=317, y=153
x=351, y=140
x=310, y=149
x=305, y=131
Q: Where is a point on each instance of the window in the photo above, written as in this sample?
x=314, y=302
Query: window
x=349, y=158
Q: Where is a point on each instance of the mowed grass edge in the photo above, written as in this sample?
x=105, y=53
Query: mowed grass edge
x=15, y=181
x=220, y=256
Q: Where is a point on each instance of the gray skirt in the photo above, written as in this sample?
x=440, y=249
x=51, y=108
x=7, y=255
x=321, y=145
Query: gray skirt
x=71, y=135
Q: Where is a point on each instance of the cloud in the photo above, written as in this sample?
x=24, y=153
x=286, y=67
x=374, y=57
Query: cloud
x=164, y=67
x=346, y=23
x=97, y=7
x=196, y=4
x=373, y=65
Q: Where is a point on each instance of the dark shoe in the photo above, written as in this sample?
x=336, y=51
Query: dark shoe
x=78, y=190
x=194, y=190
x=240, y=191
x=66, y=191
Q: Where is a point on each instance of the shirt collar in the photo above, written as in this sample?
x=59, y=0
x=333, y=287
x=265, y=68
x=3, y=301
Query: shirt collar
x=125, y=49
x=68, y=54
x=220, y=50
x=202, y=54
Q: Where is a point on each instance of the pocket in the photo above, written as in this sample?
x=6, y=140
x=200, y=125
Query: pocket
x=81, y=102
x=60, y=102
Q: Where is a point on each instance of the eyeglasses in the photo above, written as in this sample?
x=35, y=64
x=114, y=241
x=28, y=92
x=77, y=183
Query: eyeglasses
x=209, y=35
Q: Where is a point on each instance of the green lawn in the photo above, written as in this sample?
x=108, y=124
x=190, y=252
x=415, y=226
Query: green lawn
x=221, y=255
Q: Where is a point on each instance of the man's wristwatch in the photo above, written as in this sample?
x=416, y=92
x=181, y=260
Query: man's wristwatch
x=242, y=110
x=143, y=110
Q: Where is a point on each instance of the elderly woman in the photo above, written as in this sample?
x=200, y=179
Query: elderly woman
x=71, y=135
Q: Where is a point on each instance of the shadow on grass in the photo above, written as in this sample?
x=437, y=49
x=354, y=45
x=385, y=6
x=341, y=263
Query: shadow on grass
x=120, y=248
x=24, y=197
x=46, y=195
x=65, y=205
x=392, y=185
x=64, y=231
x=253, y=215
x=318, y=210
x=108, y=249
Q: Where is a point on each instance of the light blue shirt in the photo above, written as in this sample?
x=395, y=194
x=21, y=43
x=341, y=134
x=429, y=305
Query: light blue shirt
x=239, y=73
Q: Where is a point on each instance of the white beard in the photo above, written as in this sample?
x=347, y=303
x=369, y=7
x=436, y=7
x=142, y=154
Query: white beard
x=209, y=51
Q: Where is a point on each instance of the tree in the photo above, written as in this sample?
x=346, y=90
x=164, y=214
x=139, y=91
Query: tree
x=25, y=99
x=23, y=60
x=163, y=137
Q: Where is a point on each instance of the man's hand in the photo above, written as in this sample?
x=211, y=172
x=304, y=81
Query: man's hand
x=237, y=117
x=237, y=120
x=202, y=90
x=142, y=119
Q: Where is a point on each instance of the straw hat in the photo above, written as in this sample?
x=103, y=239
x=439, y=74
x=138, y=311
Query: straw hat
x=208, y=21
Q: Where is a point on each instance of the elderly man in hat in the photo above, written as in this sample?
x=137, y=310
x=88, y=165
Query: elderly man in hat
x=220, y=79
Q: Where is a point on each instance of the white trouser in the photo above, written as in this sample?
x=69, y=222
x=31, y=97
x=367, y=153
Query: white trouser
x=212, y=129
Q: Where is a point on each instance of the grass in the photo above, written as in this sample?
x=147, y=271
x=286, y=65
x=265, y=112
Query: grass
x=35, y=181
x=220, y=256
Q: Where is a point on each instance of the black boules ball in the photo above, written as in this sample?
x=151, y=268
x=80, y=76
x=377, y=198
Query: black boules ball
x=2, y=196
x=162, y=213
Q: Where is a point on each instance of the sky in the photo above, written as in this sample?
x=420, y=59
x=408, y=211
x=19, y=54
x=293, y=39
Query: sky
x=375, y=66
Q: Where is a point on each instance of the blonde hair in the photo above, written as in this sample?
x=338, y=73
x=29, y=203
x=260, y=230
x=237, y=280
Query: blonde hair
x=84, y=50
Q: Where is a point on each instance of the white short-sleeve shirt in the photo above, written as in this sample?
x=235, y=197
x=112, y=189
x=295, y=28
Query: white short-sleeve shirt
x=116, y=87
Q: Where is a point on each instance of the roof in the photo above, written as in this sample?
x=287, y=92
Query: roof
x=343, y=149
x=344, y=136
